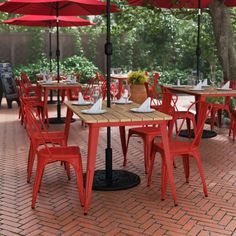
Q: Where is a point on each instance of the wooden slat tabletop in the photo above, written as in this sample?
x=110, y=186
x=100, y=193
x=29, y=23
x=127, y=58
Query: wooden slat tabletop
x=210, y=91
x=117, y=113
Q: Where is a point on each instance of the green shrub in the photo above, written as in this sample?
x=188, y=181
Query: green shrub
x=80, y=64
x=76, y=63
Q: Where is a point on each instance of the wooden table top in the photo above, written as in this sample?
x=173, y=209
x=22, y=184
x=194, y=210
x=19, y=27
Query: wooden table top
x=117, y=113
x=56, y=85
x=206, y=91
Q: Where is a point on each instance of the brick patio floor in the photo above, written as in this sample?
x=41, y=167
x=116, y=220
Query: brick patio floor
x=136, y=211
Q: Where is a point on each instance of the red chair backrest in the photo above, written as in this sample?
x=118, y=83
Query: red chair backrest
x=35, y=125
x=25, y=79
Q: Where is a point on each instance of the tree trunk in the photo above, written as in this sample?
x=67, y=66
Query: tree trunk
x=224, y=38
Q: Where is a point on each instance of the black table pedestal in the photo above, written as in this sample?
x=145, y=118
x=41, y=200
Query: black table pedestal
x=205, y=134
x=121, y=179
x=59, y=120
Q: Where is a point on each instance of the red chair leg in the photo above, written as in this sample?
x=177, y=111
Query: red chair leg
x=186, y=167
x=125, y=156
x=219, y=116
x=199, y=165
x=79, y=176
x=31, y=157
x=152, y=159
x=38, y=178
x=164, y=178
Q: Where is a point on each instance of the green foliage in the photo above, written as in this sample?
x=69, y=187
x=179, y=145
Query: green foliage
x=72, y=64
x=80, y=64
x=137, y=77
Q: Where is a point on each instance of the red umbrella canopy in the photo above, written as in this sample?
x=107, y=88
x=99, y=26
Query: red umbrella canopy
x=171, y=3
x=50, y=7
x=230, y=3
x=48, y=21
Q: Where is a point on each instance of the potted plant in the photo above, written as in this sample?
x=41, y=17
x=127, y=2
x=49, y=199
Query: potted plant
x=136, y=80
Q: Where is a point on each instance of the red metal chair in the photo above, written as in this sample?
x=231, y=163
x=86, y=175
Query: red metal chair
x=149, y=133
x=88, y=91
x=35, y=101
x=49, y=153
x=57, y=137
x=184, y=149
x=29, y=88
x=219, y=108
x=103, y=84
x=232, y=123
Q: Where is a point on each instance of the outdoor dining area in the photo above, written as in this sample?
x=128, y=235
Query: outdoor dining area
x=152, y=194
x=119, y=151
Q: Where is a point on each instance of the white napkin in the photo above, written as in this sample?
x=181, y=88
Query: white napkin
x=204, y=83
x=145, y=106
x=44, y=77
x=198, y=86
x=226, y=85
x=96, y=107
x=178, y=82
x=80, y=98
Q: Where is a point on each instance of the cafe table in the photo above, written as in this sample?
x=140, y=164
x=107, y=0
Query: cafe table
x=117, y=116
x=201, y=95
x=54, y=85
x=121, y=78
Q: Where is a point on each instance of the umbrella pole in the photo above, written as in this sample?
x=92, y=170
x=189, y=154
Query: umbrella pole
x=108, y=52
x=198, y=49
x=50, y=62
x=108, y=179
x=50, y=49
x=58, y=69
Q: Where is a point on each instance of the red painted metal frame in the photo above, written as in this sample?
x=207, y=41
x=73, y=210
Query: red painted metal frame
x=93, y=142
x=55, y=86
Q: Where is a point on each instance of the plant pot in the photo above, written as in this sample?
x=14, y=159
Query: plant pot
x=138, y=93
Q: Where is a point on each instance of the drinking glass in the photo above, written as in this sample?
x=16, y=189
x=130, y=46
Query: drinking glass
x=127, y=93
x=96, y=93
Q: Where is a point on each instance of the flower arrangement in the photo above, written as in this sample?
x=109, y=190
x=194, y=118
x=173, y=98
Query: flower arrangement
x=137, y=77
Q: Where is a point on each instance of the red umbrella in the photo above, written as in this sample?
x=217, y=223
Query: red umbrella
x=48, y=21
x=57, y=8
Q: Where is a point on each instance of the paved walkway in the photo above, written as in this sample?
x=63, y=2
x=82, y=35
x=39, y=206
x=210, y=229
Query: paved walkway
x=137, y=211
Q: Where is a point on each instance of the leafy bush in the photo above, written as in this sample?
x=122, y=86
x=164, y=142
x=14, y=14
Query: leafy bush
x=137, y=77
x=72, y=64
x=80, y=64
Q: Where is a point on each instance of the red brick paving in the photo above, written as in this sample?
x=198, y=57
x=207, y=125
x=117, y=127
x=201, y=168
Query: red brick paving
x=137, y=211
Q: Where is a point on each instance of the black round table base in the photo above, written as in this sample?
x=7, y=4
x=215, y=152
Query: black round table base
x=59, y=120
x=121, y=179
x=205, y=134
